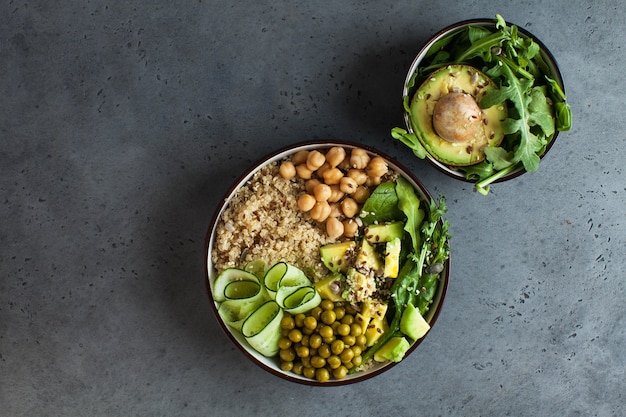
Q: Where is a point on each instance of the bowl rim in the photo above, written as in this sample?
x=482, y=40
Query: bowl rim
x=223, y=203
x=551, y=61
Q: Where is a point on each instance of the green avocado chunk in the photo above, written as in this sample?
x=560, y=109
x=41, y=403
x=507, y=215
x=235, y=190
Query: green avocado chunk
x=384, y=232
x=394, y=350
x=412, y=323
x=335, y=255
x=447, y=119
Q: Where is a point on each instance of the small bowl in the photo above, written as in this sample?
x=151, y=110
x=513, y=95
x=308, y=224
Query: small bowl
x=272, y=364
x=409, y=89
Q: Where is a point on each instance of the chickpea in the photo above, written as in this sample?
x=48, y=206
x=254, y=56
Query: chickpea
x=306, y=202
x=348, y=185
x=373, y=181
x=335, y=156
x=287, y=170
x=336, y=194
x=334, y=228
x=359, y=158
x=314, y=160
x=350, y=207
x=320, y=171
x=335, y=210
x=320, y=211
x=322, y=192
x=361, y=194
x=333, y=176
x=299, y=157
x=377, y=167
x=303, y=171
x=350, y=227
x=309, y=185
x=358, y=175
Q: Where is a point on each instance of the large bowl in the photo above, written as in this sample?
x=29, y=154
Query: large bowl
x=408, y=89
x=272, y=364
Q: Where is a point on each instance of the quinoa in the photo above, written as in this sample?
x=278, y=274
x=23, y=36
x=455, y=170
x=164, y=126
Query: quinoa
x=263, y=222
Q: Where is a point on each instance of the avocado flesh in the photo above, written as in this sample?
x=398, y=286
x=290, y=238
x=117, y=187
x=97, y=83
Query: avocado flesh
x=335, y=255
x=461, y=150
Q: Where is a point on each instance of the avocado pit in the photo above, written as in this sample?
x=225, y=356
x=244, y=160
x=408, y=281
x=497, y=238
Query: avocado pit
x=457, y=117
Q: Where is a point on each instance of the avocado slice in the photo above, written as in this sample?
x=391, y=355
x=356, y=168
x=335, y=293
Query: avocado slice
x=384, y=232
x=447, y=119
x=368, y=259
x=392, y=258
x=412, y=323
x=335, y=256
x=394, y=350
x=330, y=288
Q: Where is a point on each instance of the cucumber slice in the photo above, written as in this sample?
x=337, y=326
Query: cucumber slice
x=234, y=312
x=295, y=300
x=228, y=276
x=262, y=328
x=258, y=267
x=238, y=290
x=283, y=274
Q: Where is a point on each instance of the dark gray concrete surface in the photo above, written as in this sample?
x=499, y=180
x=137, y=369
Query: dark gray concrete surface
x=123, y=123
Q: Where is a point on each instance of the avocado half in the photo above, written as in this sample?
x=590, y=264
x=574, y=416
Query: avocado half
x=448, y=120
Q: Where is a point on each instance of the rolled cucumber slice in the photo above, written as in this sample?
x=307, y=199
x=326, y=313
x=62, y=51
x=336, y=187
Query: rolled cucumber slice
x=284, y=274
x=227, y=277
x=262, y=328
x=295, y=300
x=234, y=312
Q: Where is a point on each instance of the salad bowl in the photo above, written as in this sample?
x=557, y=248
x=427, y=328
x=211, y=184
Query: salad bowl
x=525, y=83
x=266, y=350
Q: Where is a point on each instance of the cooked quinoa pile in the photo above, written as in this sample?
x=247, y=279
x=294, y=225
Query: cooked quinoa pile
x=263, y=222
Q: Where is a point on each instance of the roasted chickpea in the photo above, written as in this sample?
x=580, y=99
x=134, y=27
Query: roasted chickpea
x=334, y=227
x=299, y=157
x=314, y=160
x=358, y=175
x=306, y=202
x=320, y=211
x=320, y=171
x=361, y=194
x=333, y=176
x=309, y=185
x=303, y=171
x=335, y=156
x=377, y=167
x=322, y=192
x=359, y=158
x=336, y=193
x=287, y=170
x=349, y=207
x=350, y=227
x=335, y=210
x=348, y=185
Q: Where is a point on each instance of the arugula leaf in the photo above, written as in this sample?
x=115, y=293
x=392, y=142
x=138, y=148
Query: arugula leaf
x=410, y=140
x=518, y=92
